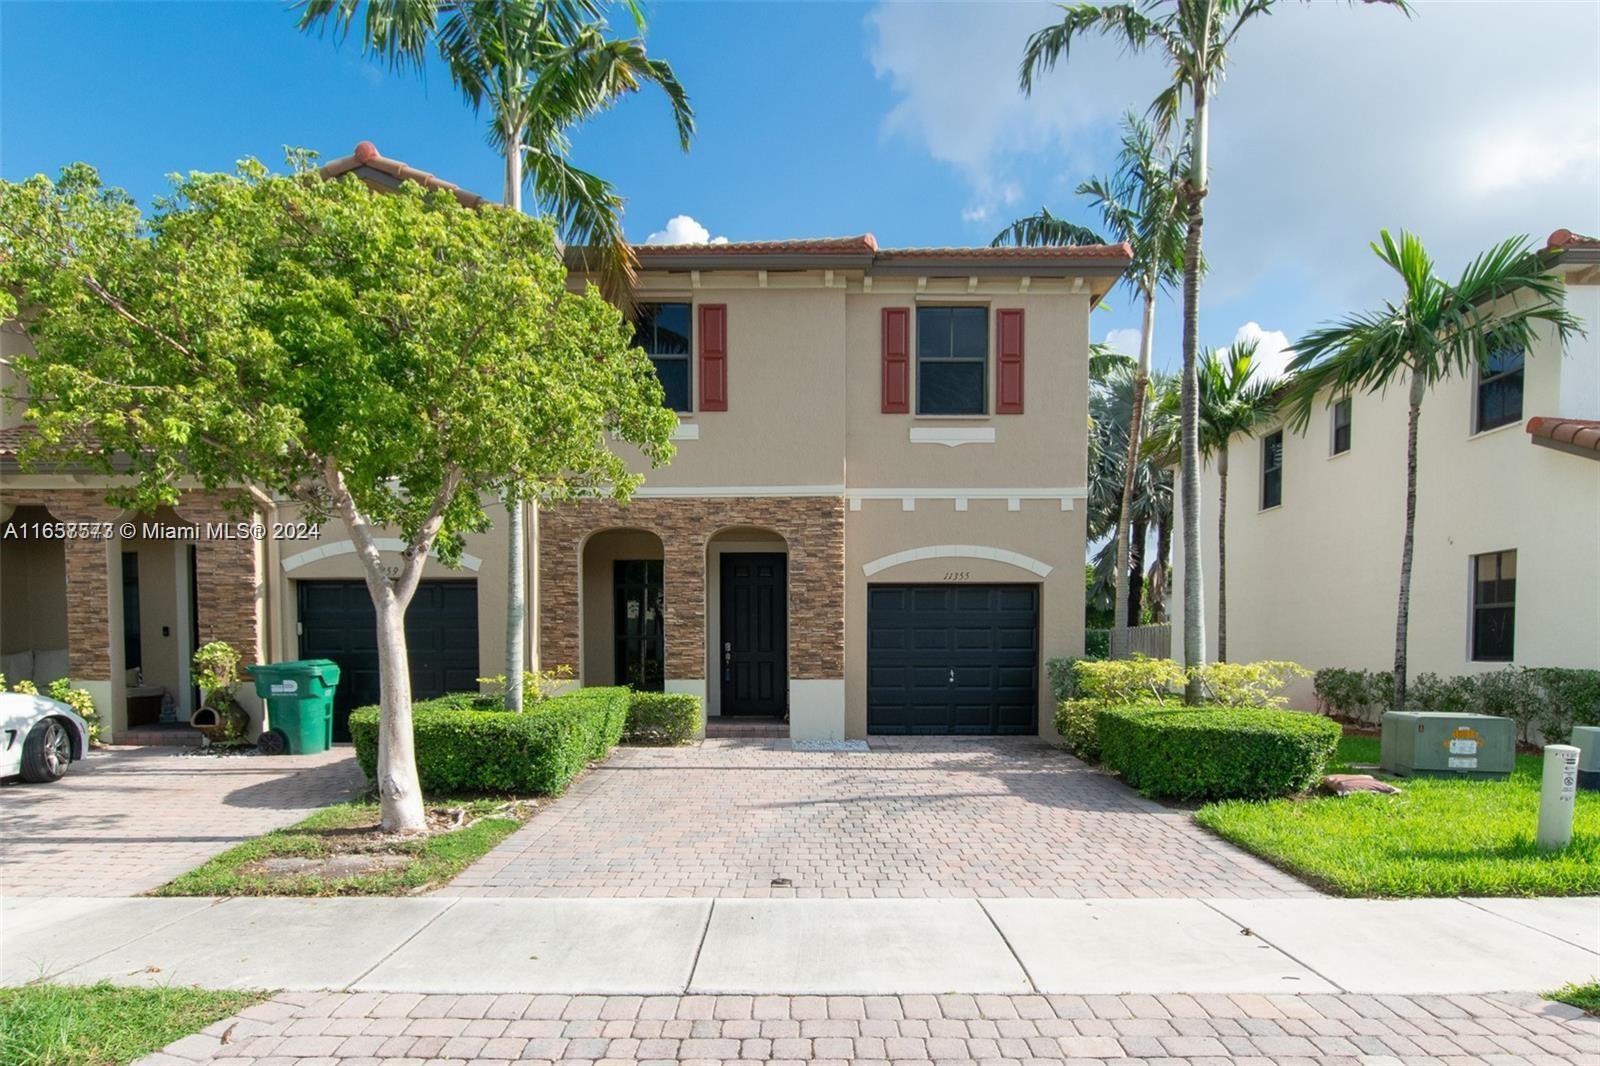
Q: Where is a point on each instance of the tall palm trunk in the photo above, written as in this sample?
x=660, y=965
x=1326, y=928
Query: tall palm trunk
x=1147, y=330
x=1135, y=599
x=1418, y=387
x=516, y=598
x=1194, y=615
x=1222, y=554
x=1158, y=583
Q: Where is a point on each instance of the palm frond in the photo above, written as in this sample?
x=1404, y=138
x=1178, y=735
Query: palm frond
x=1044, y=228
x=1047, y=47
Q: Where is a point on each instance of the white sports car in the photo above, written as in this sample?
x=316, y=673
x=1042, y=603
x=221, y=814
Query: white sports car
x=39, y=736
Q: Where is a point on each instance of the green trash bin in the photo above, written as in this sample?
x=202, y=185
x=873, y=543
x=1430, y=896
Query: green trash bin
x=299, y=698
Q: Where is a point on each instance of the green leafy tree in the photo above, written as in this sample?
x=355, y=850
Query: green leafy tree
x=1437, y=330
x=1148, y=507
x=386, y=358
x=540, y=68
x=1232, y=403
x=1195, y=37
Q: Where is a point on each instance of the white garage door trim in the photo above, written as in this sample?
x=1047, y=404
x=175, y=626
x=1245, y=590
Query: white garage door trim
x=346, y=547
x=959, y=551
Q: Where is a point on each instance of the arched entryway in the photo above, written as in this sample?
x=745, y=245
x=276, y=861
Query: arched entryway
x=623, y=610
x=747, y=623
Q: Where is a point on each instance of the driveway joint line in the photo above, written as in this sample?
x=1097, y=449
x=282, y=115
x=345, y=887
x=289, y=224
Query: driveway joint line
x=1032, y=984
x=1291, y=956
x=1525, y=925
x=705, y=931
x=391, y=954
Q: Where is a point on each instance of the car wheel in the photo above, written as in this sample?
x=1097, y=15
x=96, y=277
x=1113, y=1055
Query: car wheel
x=46, y=752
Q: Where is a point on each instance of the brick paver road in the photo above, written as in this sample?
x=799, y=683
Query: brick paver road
x=126, y=820
x=341, y=1029
x=912, y=817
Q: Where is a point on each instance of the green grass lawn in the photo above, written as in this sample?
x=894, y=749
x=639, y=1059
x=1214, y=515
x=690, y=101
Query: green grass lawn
x=1437, y=838
x=415, y=864
x=1585, y=997
x=101, y=1025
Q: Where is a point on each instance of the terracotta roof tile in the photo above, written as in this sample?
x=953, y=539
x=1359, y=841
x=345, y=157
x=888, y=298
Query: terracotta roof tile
x=1032, y=253
x=864, y=244
x=1570, y=434
x=367, y=163
x=1565, y=238
x=11, y=439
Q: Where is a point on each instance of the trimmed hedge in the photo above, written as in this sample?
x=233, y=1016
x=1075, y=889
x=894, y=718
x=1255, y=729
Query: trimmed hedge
x=1209, y=753
x=539, y=751
x=662, y=718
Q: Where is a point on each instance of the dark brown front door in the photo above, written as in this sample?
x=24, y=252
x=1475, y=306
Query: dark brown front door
x=755, y=634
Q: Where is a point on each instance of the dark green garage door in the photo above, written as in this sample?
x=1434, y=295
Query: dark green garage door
x=337, y=622
x=952, y=659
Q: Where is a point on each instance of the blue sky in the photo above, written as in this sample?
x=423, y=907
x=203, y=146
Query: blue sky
x=902, y=120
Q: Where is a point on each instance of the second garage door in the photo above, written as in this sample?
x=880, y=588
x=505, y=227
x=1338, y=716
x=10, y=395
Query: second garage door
x=953, y=659
x=337, y=622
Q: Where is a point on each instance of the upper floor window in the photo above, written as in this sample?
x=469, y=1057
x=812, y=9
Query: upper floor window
x=1272, y=469
x=1494, y=606
x=952, y=360
x=1500, y=387
x=662, y=330
x=1341, y=426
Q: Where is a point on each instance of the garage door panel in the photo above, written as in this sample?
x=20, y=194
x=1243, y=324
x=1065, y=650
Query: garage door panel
x=952, y=659
x=338, y=622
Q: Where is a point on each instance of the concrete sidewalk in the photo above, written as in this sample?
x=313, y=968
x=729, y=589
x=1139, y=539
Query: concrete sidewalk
x=808, y=947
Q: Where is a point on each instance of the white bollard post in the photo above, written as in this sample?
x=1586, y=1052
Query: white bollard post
x=1557, y=795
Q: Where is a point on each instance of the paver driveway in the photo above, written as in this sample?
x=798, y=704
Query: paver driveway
x=913, y=817
x=126, y=820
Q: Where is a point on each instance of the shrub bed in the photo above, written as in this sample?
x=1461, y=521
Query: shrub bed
x=1206, y=753
x=538, y=751
x=662, y=718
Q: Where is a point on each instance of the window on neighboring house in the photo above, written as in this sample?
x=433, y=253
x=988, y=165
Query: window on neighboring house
x=1494, y=606
x=1341, y=426
x=1500, y=387
x=1272, y=470
x=132, y=646
x=662, y=330
x=952, y=360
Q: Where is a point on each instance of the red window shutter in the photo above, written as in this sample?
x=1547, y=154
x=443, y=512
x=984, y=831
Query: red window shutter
x=713, y=357
x=896, y=360
x=1008, y=343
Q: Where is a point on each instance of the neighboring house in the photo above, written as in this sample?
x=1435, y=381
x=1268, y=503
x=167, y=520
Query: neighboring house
x=874, y=522
x=1506, y=568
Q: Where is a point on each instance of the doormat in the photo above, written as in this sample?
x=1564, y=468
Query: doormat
x=830, y=745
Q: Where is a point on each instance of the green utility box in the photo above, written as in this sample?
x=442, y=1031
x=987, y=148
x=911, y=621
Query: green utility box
x=1430, y=744
x=1586, y=738
x=299, y=698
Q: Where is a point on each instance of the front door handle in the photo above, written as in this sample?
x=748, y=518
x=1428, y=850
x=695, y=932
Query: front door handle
x=952, y=675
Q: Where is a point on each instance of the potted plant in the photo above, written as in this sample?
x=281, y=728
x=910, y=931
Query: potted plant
x=216, y=673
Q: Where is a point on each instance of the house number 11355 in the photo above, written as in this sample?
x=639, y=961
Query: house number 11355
x=958, y=575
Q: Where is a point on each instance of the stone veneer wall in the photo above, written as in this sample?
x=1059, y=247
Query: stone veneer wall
x=813, y=526
x=226, y=584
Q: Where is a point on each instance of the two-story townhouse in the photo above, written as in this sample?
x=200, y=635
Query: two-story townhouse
x=1506, y=565
x=873, y=524
x=874, y=521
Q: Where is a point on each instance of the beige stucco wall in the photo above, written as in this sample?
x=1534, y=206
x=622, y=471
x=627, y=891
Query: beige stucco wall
x=161, y=652
x=1316, y=580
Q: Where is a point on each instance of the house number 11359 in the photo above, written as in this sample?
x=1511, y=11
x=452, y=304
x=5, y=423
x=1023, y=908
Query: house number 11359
x=958, y=575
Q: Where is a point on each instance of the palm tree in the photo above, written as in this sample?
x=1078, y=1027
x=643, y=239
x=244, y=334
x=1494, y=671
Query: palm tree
x=1141, y=204
x=1232, y=403
x=1195, y=36
x=1149, y=505
x=541, y=67
x=1438, y=329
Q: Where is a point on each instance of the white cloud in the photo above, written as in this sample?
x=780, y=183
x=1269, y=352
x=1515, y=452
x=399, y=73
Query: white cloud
x=1272, y=349
x=683, y=229
x=1125, y=341
x=1334, y=121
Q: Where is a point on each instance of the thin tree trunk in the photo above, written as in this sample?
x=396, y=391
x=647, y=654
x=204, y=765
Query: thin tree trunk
x=1135, y=601
x=1120, y=617
x=1222, y=554
x=1158, y=584
x=1194, y=614
x=1418, y=386
x=516, y=598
